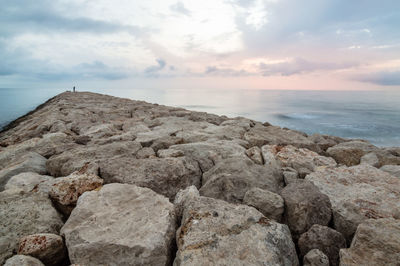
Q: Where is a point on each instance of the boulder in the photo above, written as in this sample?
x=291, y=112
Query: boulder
x=22, y=260
x=230, y=179
x=121, y=224
x=270, y=204
x=30, y=162
x=358, y=193
x=184, y=196
x=65, y=191
x=214, y=232
x=30, y=181
x=165, y=176
x=349, y=153
x=324, y=141
x=146, y=152
x=394, y=170
x=325, y=239
x=48, y=248
x=290, y=175
x=376, y=242
x=305, y=206
x=24, y=214
x=315, y=257
x=370, y=159
x=169, y=153
x=254, y=153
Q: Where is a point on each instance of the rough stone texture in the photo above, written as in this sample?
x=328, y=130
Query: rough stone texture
x=358, y=193
x=231, y=178
x=394, y=170
x=165, y=176
x=376, y=242
x=30, y=181
x=350, y=153
x=30, y=162
x=254, y=153
x=214, y=232
x=24, y=214
x=184, y=196
x=270, y=204
x=169, y=153
x=370, y=159
x=65, y=191
x=324, y=141
x=290, y=175
x=146, y=152
x=120, y=224
x=22, y=260
x=48, y=248
x=315, y=257
x=325, y=239
x=305, y=206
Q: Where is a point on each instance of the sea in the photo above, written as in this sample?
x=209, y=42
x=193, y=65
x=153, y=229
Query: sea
x=369, y=115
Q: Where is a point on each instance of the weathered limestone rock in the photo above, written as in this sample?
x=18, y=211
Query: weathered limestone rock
x=270, y=204
x=231, y=178
x=183, y=197
x=370, y=159
x=24, y=214
x=394, y=170
x=290, y=175
x=324, y=141
x=65, y=191
x=305, y=206
x=169, y=153
x=120, y=224
x=165, y=176
x=146, y=152
x=315, y=257
x=350, y=153
x=215, y=232
x=376, y=242
x=22, y=260
x=358, y=193
x=31, y=162
x=48, y=248
x=254, y=153
x=30, y=181
x=325, y=239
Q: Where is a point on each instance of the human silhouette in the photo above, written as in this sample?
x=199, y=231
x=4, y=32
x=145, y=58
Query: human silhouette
x=73, y=89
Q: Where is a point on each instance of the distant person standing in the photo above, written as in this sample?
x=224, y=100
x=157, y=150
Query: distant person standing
x=73, y=89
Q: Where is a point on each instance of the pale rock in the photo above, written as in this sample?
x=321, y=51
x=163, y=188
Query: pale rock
x=169, y=153
x=48, y=248
x=349, y=153
x=231, y=178
x=254, y=153
x=325, y=239
x=146, y=152
x=65, y=191
x=24, y=214
x=214, y=232
x=22, y=260
x=183, y=197
x=394, y=170
x=120, y=224
x=30, y=181
x=270, y=204
x=315, y=257
x=358, y=193
x=30, y=162
x=370, y=159
x=305, y=206
x=290, y=175
x=325, y=141
x=376, y=242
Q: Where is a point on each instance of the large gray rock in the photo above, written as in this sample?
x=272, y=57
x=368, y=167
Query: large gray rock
x=370, y=159
x=376, y=242
x=350, y=153
x=24, y=214
x=214, y=232
x=394, y=170
x=254, y=153
x=358, y=193
x=30, y=181
x=30, y=162
x=48, y=248
x=230, y=179
x=270, y=204
x=325, y=239
x=305, y=206
x=22, y=260
x=165, y=176
x=121, y=224
x=315, y=257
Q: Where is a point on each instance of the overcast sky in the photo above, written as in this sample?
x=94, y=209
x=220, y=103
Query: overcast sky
x=246, y=44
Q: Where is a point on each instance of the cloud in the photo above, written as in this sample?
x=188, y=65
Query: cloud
x=180, y=8
x=385, y=78
x=298, y=66
x=151, y=70
x=216, y=71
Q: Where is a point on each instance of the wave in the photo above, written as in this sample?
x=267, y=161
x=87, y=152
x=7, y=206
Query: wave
x=297, y=116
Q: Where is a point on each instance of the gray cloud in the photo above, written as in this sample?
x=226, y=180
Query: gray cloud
x=385, y=78
x=180, y=8
x=216, y=71
x=153, y=70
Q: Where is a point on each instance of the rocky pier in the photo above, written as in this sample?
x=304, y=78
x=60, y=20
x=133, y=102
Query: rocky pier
x=90, y=179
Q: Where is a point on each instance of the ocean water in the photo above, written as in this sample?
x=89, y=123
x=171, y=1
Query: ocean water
x=370, y=115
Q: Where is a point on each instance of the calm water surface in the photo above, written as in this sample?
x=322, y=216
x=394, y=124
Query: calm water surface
x=371, y=115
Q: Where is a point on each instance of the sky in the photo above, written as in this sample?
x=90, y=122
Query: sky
x=211, y=44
